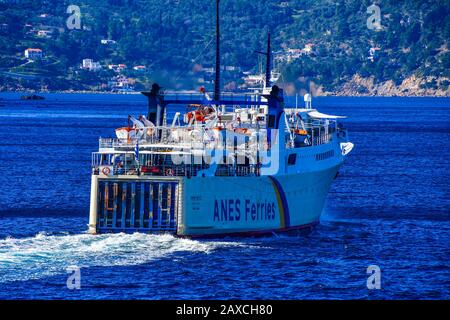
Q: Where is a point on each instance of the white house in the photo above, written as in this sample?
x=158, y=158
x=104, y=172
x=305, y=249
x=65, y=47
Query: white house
x=373, y=53
x=91, y=65
x=140, y=68
x=308, y=48
x=107, y=41
x=117, y=67
x=45, y=33
x=33, y=53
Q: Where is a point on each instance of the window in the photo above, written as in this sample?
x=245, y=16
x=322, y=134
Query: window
x=271, y=122
x=292, y=159
x=325, y=155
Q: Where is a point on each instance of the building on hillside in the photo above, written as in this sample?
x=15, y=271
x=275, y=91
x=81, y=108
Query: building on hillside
x=121, y=84
x=107, y=42
x=208, y=70
x=253, y=80
x=117, y=67
x=91, y=65
x=231, y=68
x=4, y=27
x=34, y=54
x=288, y=55
x=140, y=68
x=308, y=48
x=44, y=33
x=373, y=53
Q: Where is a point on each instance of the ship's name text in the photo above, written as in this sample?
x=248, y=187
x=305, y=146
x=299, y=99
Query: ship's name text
x=246, y=210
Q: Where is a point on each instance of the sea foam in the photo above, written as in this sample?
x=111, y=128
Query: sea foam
x=46, y=255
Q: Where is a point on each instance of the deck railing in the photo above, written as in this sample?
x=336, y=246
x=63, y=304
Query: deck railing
x=180, y=170
x=322, y=139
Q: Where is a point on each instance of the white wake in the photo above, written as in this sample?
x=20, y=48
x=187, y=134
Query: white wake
x=45, y=255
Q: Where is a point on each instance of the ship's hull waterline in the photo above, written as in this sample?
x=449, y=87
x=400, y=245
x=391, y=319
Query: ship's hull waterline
x=209, y=206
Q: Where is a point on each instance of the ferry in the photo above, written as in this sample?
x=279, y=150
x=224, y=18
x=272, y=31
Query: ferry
x=32, y=97
x=224, y=165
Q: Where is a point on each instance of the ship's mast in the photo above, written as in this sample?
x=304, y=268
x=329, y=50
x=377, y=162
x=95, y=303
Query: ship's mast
x=268, y=55
x=217, y=81
x=268, y=63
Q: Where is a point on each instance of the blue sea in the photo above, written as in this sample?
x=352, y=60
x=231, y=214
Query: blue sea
x=389, y=207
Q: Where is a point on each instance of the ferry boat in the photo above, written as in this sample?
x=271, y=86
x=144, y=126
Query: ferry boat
x=32, y=97
x=230, y=165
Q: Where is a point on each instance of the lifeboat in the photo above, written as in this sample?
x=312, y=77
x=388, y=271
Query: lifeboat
x=126, y=133
x=200, y=114
x=131, y=133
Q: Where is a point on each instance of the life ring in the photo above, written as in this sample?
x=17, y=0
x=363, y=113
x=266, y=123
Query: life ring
x=241, y=130
x=106, y=171
x=169, y=172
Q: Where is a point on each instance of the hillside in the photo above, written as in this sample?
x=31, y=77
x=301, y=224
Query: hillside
x=321, y=45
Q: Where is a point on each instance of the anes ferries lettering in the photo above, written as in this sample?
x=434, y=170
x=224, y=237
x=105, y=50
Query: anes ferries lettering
x=247, y=210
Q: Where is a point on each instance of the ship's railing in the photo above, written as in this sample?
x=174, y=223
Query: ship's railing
x=160, y=171
x=168, y=164
x=200, y=137
x=161, y=135
x=180, y=170
x=237, y=171
x=322, y=139
x=319, y=131
x=187, y=138
x=106, y=143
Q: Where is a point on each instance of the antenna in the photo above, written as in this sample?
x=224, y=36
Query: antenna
x=217, y=81
x=268, y=62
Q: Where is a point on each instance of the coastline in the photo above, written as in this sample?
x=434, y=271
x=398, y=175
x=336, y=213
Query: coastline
x=322, y=94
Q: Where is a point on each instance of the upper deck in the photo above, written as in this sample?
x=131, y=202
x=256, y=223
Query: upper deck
x=232, y=140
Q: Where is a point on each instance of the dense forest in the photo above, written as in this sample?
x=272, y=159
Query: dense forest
x=175, y=38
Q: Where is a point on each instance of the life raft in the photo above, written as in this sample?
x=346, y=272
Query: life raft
x=126, y=133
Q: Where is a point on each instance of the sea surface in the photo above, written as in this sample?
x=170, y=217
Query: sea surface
x=389, y=207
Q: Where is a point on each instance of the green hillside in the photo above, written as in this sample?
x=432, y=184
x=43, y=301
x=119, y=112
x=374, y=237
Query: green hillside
x=174, y=40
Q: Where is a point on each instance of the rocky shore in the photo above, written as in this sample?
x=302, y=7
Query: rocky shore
x=410, y=87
